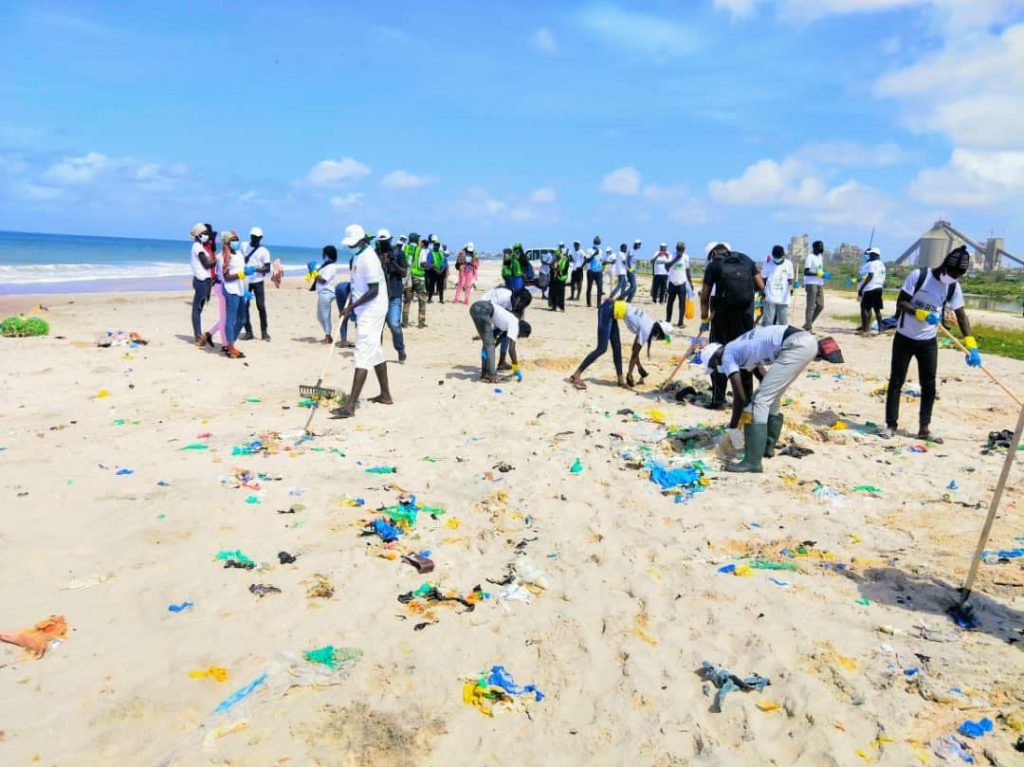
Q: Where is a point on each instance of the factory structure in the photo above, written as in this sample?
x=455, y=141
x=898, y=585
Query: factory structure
x=928, y=251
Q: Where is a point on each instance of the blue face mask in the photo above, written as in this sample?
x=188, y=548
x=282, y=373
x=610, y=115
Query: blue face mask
x=235, y=246
x=353, y=252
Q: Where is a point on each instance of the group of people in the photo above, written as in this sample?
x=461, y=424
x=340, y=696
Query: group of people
x=387, y=276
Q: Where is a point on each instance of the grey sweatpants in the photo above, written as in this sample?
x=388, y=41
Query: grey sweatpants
x=815, y=304
x=775, y=314
x=483, y=317
x=796, y=354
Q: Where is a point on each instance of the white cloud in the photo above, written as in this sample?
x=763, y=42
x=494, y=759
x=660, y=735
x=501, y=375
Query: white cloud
x=679, y=205
x=400, y=179
x=624, y=181
x=95, y=167
x=738, y=9
x=77, y=170
x=852, y=154
x=41, y=191
x=651, y=36
x=337, y=172
x=346, y=201
x=543, y=40
x=972, y=178
x=544, y=195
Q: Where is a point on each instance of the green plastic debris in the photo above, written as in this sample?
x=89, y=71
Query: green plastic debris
x=318, y=449
x=382, y=470
x=406, y=514
x=253, y=499
x=423, y=590
x=307, y=403
x=195, y=446
x=430, y=459
x=18, y=327
x=577, y=467
x=332, y=656
x=161, y=516
x=865, y=601
x=119, y=422
x=764, y=564
x=337, y=452
x=236, y=555
x=253, y=399
x=434, y=511
x=868, y=489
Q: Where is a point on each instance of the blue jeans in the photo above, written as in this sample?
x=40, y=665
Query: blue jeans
x=235, y=317
x=631, y=290
x=607, y=330
x=394, y=320
x=341, y=294
x=620, y=288
x=200, y=295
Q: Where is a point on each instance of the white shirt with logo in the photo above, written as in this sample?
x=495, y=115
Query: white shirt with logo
x=638, y=322
x=755, y=347
x=777, y=281
x=677, y=274
x=876, y=269
x=931, y=296
x=620, y=264
x=813, y=263
x=257, y=257
x=578, y=257
x=366, y=270
x=658, y=262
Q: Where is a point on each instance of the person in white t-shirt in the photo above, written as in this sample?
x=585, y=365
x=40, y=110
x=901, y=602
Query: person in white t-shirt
x=621, y=283
x=922, y=302
x=778, y=282
x=579, y=257
x=870, y=290
x=680, y=284
x=789, y=350
x=645, y=328
x=233, y=274
x=498, y=320
x=257, y=255
x=322, y=281
x=370, y=306
x=659, y=269
x=203, y=263
x=814, y=284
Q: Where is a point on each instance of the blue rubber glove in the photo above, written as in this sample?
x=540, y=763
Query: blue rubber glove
x=933, y=318
x=248, y=295
x=974, y=358
x=310, y=266
x=250, y=270
x=796, y=284
x=705, y=327
x=827, y=276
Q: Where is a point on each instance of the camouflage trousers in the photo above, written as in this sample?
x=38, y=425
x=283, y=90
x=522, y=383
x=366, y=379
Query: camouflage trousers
x=418, y=289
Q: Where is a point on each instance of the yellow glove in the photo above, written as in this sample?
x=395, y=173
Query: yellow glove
x=745, y=417
x=515, y=368
x=312, y=276
x=970, y=343
x=921, y=314
x=240, y=274
x=820, y=272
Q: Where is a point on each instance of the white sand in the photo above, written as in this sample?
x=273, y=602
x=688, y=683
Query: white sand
x=634, y=604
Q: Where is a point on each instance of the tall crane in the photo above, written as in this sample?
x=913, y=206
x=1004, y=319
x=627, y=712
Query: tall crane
x=934, y=244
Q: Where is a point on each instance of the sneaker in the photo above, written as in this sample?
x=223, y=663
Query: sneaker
x=886, y=433
x=247, y=336
x=265, y=337
x=402, y=357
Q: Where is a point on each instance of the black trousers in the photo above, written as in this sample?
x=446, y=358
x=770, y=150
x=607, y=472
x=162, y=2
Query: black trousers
x=658, y=285
x=727, y=325
x=676, y=292
x=430, y=279
x=595, y=278
x=259, y=297
x=441, y=279
x=557, y=297
x=926, y=353
x=576, y=284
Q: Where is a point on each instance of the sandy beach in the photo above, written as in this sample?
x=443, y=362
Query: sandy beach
x=125, y=471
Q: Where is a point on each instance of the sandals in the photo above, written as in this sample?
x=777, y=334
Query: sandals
x=233, y=353
x=342, y=412
x=578, y=385
x=927, y=436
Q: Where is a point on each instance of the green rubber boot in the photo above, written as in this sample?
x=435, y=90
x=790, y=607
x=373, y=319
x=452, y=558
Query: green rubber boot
x=774, y=432
x=755, y=436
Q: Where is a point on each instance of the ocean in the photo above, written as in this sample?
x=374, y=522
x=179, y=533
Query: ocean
x=69, y=263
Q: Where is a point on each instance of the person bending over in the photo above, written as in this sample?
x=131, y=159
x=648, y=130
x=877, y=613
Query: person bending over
x=645, y=328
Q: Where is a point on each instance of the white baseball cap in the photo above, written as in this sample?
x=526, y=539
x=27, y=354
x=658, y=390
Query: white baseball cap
x=354, y=234
x=873, y=252
x=708, y=248
x=255, y=232
x=383, y=234
x=663, y=245
x=666, y=328
x=706, y=354
x=470, y=248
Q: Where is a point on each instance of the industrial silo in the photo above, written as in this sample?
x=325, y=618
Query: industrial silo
x=934, y=245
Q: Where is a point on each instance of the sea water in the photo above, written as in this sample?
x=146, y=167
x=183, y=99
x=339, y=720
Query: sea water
x=58, y=263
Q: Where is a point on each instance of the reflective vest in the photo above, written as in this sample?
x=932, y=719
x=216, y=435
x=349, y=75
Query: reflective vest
x=412, y=257
x=506, y=266
x=562, y=268
x=438, y=259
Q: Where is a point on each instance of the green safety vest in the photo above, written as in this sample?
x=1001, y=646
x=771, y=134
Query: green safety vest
x=517, y=266
x=562, y=269
x=437, y=257
x=506, y=266
x=412, y=256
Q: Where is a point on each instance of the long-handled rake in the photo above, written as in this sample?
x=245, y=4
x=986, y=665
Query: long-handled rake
x=317, y=391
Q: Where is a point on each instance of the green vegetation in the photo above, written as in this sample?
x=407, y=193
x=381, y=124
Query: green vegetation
x=1002, y=342
x=16, y=327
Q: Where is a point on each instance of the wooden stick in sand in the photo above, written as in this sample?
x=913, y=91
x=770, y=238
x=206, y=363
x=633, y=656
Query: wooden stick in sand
x=984, y=369
x=694, y=345
x=992, y=508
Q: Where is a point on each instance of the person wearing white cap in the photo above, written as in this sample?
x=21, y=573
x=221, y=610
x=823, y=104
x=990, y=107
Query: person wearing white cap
x=659, y=270
x=466, y=264
x=370, y=306
x=870, y=290
x=595, y=274
x=789, y=350
x=392, y=260
x=257, y=255
x=646, y=329
x=579, y=257
x=203, y=262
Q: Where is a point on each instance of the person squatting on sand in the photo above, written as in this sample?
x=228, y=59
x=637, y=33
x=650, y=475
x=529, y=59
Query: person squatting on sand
x=920, y=307
x=789, y=350
x=646, y=330
x=370, y=306
x=500, y=309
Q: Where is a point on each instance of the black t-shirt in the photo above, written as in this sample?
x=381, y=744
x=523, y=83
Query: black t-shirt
x=713, y=274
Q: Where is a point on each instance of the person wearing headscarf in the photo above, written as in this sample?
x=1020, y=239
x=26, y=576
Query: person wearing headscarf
x=234, y=275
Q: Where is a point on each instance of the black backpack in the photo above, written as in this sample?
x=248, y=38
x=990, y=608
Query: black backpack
x=921, y=277
x=736, y=283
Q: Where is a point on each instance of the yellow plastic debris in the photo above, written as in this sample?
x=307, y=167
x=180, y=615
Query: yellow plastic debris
x=102, y=394
x=453, y=523
x=839, y=426
x=219, y=673
x=656, y=415
x=768, y=705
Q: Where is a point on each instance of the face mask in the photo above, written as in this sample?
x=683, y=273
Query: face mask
x=947, y=279
x=234, y=246
x=778, y=260
x=204, y=238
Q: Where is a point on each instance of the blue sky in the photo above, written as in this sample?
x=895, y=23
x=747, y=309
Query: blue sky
x=746, y=120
